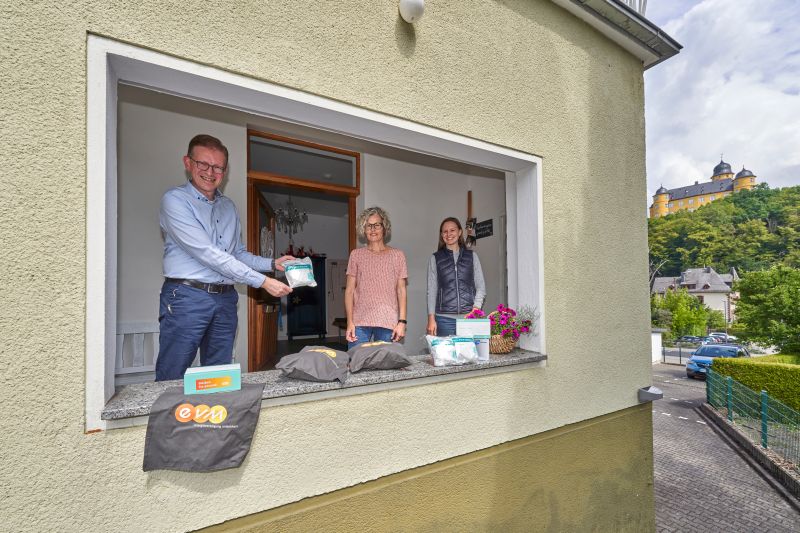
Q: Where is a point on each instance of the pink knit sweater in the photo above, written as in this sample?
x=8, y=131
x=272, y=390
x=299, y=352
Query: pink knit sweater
x=377, y=273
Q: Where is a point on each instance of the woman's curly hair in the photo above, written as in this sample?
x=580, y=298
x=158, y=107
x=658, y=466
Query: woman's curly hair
x=361, y=223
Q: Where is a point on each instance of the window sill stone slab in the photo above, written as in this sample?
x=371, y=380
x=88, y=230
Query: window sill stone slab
x=136, y=400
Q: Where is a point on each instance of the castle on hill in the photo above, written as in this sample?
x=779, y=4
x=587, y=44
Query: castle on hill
x=723, y=183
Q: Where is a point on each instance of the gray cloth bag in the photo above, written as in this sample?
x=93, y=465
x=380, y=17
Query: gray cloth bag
x=379, y=355
x=201, y=432
x=315, y=363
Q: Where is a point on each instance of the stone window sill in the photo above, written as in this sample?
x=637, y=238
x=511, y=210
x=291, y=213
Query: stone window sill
x=132, y=401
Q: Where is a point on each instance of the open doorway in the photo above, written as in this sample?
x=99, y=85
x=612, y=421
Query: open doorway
x=301, y=202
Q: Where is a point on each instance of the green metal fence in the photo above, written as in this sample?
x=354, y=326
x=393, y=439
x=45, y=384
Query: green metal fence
x=762, y=418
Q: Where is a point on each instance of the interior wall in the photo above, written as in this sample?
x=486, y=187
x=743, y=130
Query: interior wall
x=395, y=185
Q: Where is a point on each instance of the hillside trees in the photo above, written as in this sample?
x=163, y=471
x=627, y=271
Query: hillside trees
x=768, y=310
x=749, y=230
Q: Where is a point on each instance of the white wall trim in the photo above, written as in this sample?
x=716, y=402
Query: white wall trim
x=109, y=62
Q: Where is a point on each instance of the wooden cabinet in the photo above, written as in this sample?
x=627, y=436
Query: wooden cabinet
x=305, y=307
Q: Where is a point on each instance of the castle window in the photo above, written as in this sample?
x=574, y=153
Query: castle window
x=711, y=199
x=680, y=204
x=691, y=201
x=702, y=199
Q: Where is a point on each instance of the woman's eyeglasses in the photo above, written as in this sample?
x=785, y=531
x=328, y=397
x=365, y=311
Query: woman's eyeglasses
x=377, y=225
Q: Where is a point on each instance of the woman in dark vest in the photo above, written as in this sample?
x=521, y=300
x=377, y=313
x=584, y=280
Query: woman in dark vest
x=455, y=280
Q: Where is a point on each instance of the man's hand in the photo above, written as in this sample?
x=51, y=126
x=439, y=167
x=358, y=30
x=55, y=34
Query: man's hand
x=399, y=332
x=275, y=287
x=280, y=261
x=431, y=329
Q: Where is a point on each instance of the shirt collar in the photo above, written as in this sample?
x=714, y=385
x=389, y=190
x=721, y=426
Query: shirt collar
x=200, y=196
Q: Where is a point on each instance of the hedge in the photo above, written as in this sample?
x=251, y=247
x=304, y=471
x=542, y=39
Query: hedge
x=780, y=380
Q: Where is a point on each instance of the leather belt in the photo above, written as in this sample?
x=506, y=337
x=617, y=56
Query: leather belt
x=211, y=288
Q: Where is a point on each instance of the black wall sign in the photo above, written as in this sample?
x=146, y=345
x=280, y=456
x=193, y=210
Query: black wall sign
x=484, y=229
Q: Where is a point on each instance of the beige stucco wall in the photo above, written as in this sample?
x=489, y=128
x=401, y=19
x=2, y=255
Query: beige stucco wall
x=523, y=74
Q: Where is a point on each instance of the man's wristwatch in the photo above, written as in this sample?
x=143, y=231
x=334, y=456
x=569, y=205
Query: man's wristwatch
x=402, y=321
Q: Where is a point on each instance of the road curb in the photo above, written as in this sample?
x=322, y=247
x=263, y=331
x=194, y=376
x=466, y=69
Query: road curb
x=774, y=474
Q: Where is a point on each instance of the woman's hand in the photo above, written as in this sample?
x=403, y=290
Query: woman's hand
x=281, y=260
x=431, y=329
x=399, y=332
x=350, y=333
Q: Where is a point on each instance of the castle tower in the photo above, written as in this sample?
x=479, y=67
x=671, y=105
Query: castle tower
x=744, y=180
x=660, y=201
x=722, y=171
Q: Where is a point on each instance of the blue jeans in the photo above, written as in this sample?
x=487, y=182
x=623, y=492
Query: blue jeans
x=368, y=333
x=445, y=326
x=192, y=318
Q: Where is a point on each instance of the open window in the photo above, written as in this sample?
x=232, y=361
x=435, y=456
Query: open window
x=418, y=167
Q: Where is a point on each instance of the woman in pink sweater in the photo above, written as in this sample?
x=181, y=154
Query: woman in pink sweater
x=375, y=296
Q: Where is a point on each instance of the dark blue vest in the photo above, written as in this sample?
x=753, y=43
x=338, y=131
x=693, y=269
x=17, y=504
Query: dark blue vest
x=456, y=282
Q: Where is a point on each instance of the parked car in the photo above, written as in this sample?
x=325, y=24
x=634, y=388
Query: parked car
x=698, y=364
x=710, y=340
x=724, y=336
x=689, y=338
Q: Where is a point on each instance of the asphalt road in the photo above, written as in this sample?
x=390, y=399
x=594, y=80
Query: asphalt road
x=701, y=483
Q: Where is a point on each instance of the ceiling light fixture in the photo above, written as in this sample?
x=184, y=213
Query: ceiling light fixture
x=289, y=219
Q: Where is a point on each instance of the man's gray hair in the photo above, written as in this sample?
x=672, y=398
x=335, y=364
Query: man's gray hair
x=361, y=223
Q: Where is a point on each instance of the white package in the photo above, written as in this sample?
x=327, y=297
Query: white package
x=299, y=273
x=466, y=351
x=443, y=351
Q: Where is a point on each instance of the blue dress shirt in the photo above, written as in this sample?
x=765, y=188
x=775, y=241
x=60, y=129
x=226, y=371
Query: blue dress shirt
x=202, y=240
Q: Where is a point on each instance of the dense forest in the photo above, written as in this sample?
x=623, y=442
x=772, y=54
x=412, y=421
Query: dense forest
x=750, y=230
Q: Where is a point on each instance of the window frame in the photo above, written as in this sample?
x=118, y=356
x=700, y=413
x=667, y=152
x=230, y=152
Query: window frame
x=111, y=62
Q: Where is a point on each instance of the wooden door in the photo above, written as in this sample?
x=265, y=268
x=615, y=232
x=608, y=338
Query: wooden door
x=262, y=322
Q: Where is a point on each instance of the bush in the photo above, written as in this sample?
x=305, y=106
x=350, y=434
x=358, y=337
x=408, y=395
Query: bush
x=780, y=380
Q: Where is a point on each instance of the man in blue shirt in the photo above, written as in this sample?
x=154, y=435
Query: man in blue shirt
x=203, y=258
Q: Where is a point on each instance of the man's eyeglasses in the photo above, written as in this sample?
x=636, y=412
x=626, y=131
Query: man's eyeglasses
x=377, y=225
x=202, y=165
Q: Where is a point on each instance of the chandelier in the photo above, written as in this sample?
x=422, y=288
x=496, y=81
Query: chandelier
x=289, y=219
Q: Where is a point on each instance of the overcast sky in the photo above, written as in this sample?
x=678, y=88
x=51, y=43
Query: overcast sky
x=733, y=89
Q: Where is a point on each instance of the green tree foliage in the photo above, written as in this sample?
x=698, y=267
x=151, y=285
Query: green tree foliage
x=749, y=230
x=768, y=310
x=682, y=314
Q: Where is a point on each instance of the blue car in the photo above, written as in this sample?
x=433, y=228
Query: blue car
x=698, y=364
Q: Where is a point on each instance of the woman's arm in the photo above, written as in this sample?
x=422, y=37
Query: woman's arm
x=480, y=283
x=400, y=329
x=349, y=293
x=433, y=290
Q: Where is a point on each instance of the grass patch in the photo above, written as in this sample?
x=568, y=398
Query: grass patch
x=786, y=359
